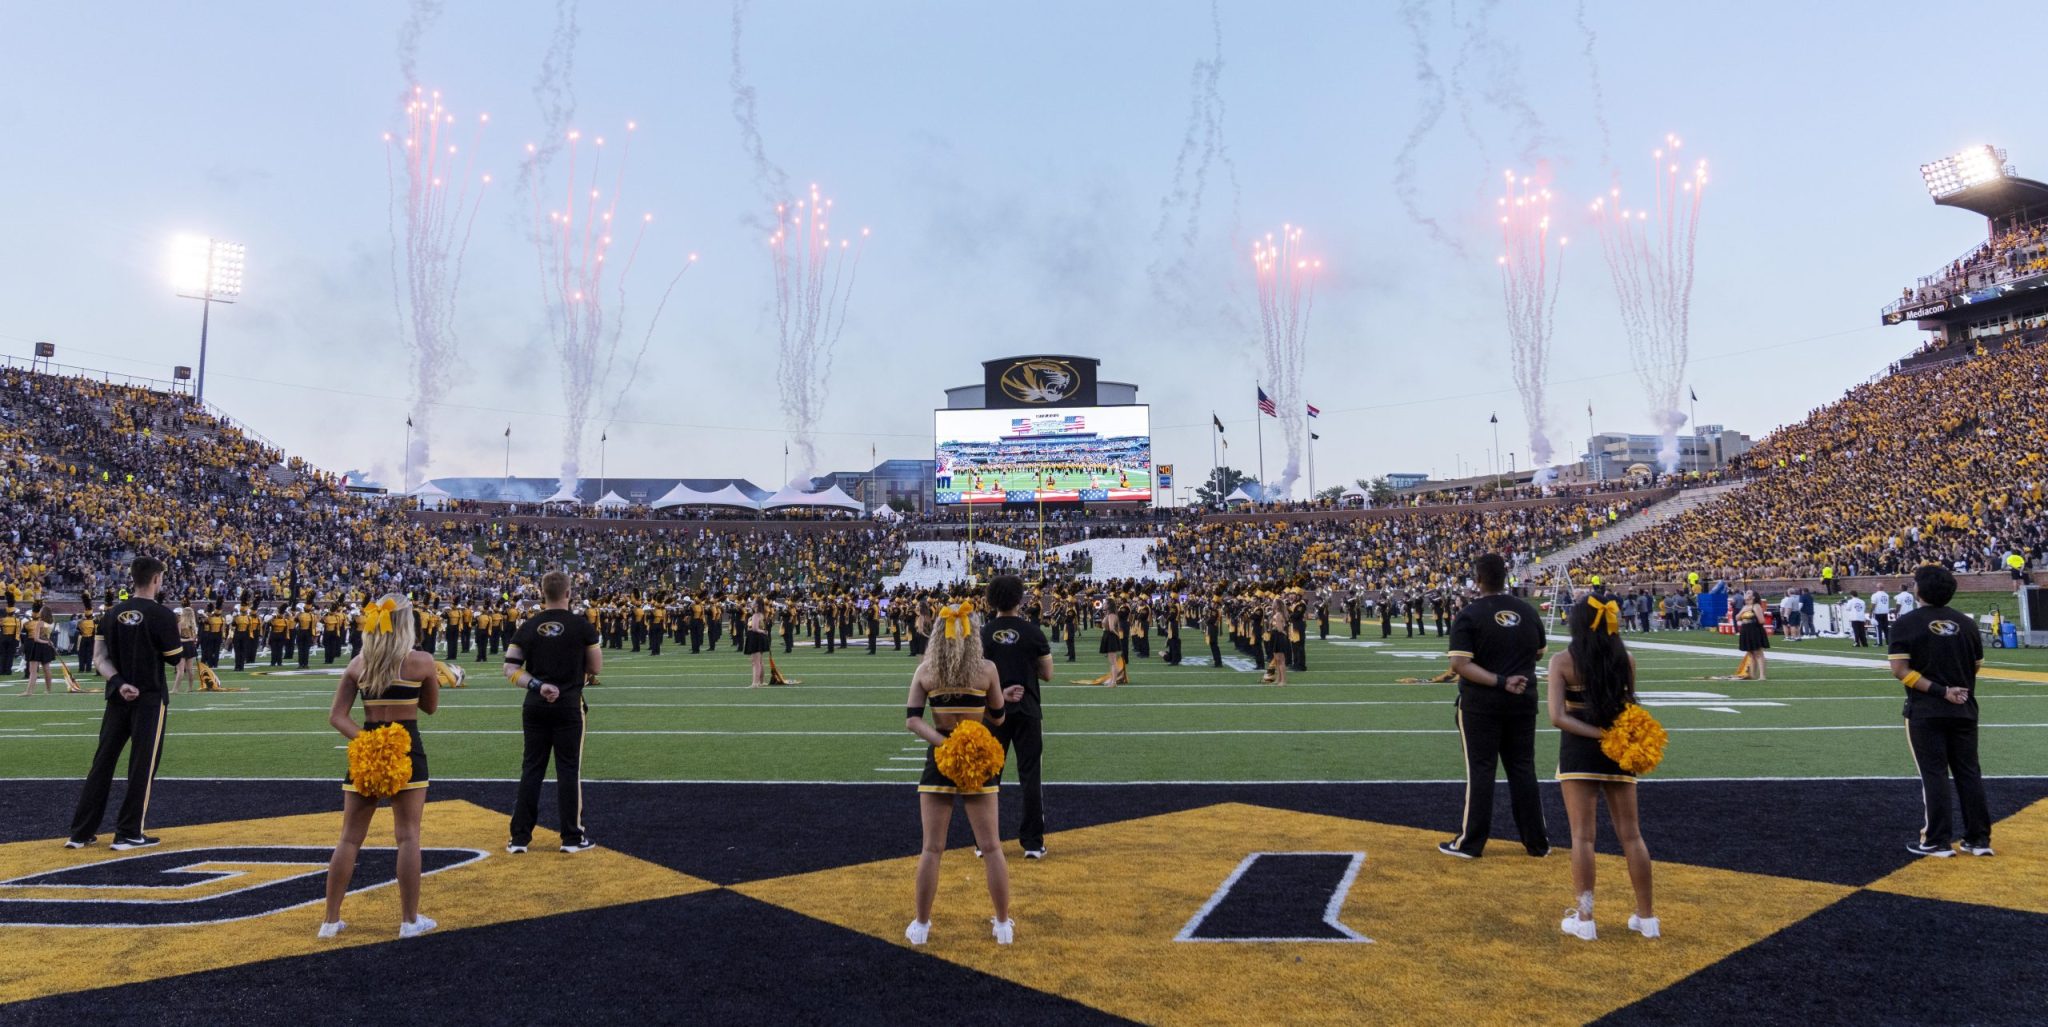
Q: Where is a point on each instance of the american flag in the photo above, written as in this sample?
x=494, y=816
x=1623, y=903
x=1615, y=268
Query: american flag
x=1266, y=404
x=1313, y=412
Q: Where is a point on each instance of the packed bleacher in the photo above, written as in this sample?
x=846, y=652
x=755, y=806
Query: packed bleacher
x=1944, y=465
x=2017, y=252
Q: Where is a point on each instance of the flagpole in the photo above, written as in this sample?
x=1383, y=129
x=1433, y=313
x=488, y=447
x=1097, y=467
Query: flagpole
x=1260, y=425
x=508, y=455
x=1699, y=441
x=1599, y=466
x=1215, y=462
x=1311, y=465
x=406, y=485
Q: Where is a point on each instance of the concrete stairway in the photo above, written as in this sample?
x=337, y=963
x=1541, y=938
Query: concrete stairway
x=1557, y=560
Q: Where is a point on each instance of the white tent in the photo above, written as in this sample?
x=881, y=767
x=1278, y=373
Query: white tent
x=430, y=496
x=833, y=497
x=611, y=501
x=565, y=494
x=683, y=495
x=1238, y=495
x=887, y=514
x=730, y=495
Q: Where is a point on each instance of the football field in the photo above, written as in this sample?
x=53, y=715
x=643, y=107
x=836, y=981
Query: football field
x=1358, y=714
x=1219, y=852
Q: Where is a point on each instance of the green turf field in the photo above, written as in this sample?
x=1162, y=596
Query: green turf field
x=680, y=717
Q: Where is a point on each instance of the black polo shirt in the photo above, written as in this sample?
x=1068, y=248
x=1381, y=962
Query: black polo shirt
x=554, y=644
x=1504, y=635
x=1014, y=645
x=141, y=636
x=1944, y=647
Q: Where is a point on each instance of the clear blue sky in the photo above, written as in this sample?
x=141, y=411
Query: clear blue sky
x=1011, y=160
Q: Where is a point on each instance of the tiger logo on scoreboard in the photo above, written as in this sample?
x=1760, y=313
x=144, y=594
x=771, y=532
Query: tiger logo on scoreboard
x=1039, y=380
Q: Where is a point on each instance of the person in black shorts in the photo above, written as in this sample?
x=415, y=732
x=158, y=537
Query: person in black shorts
x=1495, y=643
x=553, y=654
x=1023, y=658
x=1935, y=653
x=1590, y=684
x=755, y=645
x=140, y=639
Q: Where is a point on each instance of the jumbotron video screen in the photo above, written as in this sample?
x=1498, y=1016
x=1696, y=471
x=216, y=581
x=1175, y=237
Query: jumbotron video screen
x=1073, y=454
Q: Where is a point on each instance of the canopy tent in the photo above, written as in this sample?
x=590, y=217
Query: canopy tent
x=887, y=514
x=430, y=496
x=565, y=494
x=832, y=498
x=683, y=495
x=1238, y=495
x=611, y=501
x=731, y=495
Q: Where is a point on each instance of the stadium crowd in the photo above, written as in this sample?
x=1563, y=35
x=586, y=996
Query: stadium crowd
x=1944, y=465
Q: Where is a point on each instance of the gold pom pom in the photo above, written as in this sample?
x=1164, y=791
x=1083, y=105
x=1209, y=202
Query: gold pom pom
x=380, y=761
x=1635, y=741
x=970, y=756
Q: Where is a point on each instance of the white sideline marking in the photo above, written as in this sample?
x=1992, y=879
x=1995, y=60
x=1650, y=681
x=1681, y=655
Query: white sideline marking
x=683, y=732
x=328, y=780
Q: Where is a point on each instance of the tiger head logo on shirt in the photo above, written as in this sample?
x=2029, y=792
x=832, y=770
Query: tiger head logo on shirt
x=550, y=629
x=130, y=618
x=1944, y=628
x=1507, y=618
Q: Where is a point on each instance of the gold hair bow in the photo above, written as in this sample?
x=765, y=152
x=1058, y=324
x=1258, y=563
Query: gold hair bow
x=1608, y=613
x=956, y=618
x=377, y=617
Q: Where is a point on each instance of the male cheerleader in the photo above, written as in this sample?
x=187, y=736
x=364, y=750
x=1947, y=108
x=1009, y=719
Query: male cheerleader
x=1023, y=658
x=1935, y=652
x=139, y=640
x=1495, y=643
x=550, y=657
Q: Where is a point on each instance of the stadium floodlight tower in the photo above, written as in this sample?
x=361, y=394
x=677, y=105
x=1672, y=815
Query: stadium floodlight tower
x=1993, y=293
x=210, y=271
x=1976, y=166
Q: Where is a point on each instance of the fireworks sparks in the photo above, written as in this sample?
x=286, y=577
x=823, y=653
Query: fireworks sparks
x=583, y=274
x=1650, y=254
x=1286, y=280
x=1529, y=275
x=435, y=193
x=814, y=276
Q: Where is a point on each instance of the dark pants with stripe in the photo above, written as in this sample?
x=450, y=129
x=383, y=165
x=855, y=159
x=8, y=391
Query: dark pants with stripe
x=1507, y=740
x=141, y=723
x=84, y=654
x=556, y=729
x=1027, y=735
x=1945, y=747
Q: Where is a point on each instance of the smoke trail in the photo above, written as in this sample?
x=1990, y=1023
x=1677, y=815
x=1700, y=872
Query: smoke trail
x=768, y=176
x=1172, y=271
x=633, y=372
x=554, y=92
x=421, y=16
x=1599, y=93
x=1530, y=277
x=436, y=201
x=1286, y=286
x=814, y=281
x=1415, y=17
x=1650, y=255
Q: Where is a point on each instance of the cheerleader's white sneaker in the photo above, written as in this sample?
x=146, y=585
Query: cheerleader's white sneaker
x=918, y=932
x=420, y=925
x=1577, y=928
x=330, y=930
x=1645, y=926
x=1005, y=930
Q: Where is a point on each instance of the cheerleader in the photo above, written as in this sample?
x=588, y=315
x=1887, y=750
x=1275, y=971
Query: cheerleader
x=1752, y=637
x=756, y=643
x=396, y=684
x=1113, y=647
x=960, y=686
x=187, y=679
x=37, y=650
x=921, y=630
x=1590, y=683
x=1278, y=650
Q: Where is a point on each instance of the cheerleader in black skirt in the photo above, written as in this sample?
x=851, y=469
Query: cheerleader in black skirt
x=396, y=683
x=1591, y=682
x=1278, y=650
x=1751, y=637
x=755, y=644
x=1113, y=646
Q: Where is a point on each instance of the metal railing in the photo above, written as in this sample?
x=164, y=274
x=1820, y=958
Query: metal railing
x=169, y=388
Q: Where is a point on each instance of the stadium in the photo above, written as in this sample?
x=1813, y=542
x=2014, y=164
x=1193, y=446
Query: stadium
x=1772, y=715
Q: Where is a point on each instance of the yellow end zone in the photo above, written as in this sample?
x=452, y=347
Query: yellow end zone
x=2016, y=878
x=496, y=888
x=1454, y=940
